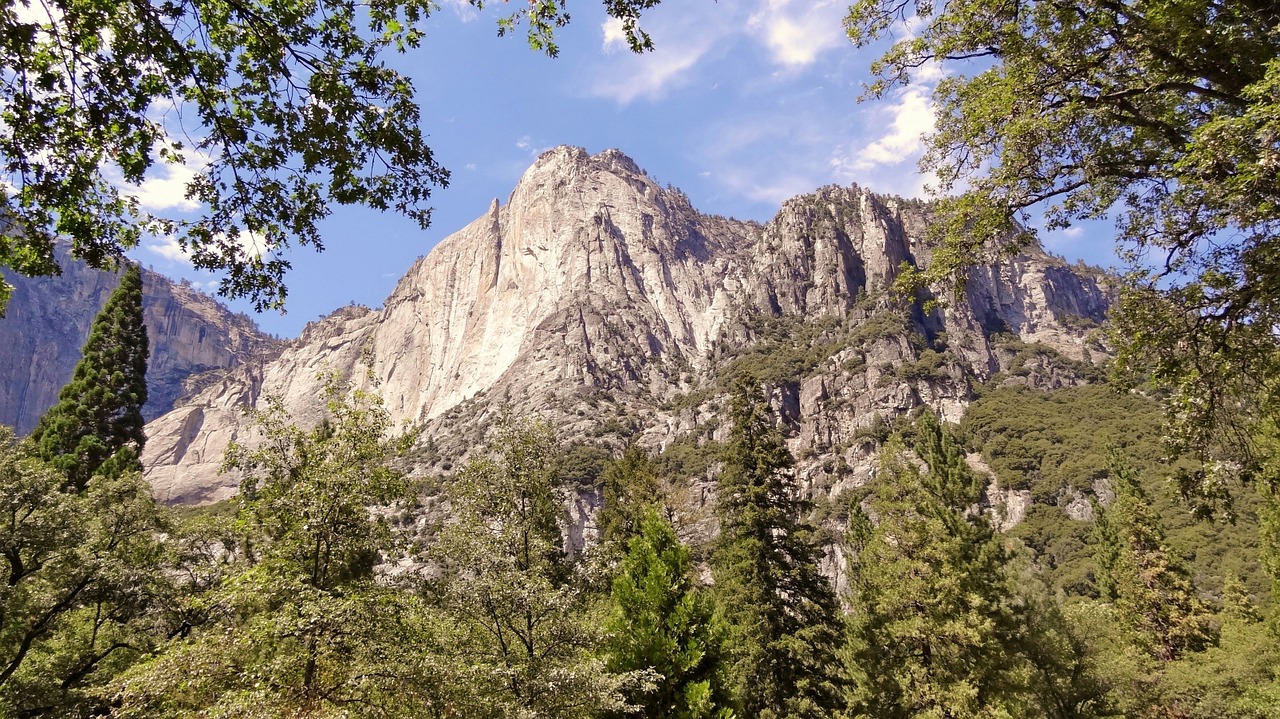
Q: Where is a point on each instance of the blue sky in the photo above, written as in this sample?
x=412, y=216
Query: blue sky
x=743, y=104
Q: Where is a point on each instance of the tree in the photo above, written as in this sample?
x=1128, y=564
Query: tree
x=1161, y=112
x=303, y=624
x=785, y=622
x=937, y=621
x=84, y=580
x=631, y=490
x=522, y=641
x=1152, y=592
x=661, y=623
x=282, y=110
x=96, y=426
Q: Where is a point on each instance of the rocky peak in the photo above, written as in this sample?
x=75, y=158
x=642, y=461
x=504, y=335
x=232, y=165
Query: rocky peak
x=593, y=283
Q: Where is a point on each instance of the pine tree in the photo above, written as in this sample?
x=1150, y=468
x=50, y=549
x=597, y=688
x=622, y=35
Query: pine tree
x=661, y=622
x=935, y=621
x=631, y=488
x=785, y=618
x=1151, y=589
x=96, y=426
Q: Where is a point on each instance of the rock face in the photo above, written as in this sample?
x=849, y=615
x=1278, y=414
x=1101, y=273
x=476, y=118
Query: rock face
x=609, y=305
x=48, y=319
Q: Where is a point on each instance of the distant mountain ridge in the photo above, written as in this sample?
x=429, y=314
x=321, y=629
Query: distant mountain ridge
x=608, y=304
x=47, y=322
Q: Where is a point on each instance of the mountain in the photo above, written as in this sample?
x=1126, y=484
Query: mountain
x=606, y=303
x=47, y=322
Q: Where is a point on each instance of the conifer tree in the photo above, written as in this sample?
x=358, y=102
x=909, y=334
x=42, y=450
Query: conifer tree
x=661, y=622
x=631, y=488
x=1151, y=589
x=934, y=624
x=785, y=628
x=96, y=426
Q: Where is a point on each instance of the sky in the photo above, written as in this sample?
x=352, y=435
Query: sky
x=742, y=104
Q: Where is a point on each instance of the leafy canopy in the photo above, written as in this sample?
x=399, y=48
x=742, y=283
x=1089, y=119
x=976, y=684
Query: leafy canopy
x=1162, y=113
x=282, y=108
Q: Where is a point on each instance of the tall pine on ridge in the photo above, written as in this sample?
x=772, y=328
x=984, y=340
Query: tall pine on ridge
x=96, y=426
x=1152, y=591
x=785, y=617
x=935, y=626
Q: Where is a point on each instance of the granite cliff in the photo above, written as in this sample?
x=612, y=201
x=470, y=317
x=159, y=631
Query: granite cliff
x=608, y=304
x=47, y=322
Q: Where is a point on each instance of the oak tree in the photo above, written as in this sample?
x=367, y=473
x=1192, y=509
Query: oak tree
x=281, y=109
x=1163, y=114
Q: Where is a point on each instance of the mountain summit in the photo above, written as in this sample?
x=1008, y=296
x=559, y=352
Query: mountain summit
x=609, y=304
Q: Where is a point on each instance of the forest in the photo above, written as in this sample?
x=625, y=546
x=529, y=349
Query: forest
x=1141, y=584
x=336, y=585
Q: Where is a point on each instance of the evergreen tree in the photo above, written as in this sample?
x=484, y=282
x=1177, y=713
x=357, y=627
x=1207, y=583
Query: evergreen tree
x=662, y=623
x=96, y=426
x=631, y=488
x=936, y=621
x=785, y=618
x=1152, y=591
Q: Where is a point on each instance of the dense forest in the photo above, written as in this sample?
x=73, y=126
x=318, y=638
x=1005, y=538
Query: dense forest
x=336, y=585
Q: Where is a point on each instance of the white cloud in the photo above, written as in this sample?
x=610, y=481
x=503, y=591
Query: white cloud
x=796, y=32
x=614, y=37
x=465, y=11
x=1074, y=231
x=168, y=248
x=653, y=75
x=524, y=142
x=911, y=118
x=166, y=189
x=683, y=37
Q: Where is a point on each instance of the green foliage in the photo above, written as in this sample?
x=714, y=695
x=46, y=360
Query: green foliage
x=520, y=639
x=85, y=584
x=1163, y=113
x=96, y=426
x=1056, y=445
x=936, y=620
x=583, y=465
x=283, y=110
x=300, y=624
x=789, y=347
x=631, y=490
x=785, y=627
x=1152, y=592
x=688, y=458
x=661, y=623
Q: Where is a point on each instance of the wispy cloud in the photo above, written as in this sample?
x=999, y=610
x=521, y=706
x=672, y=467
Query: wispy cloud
x=168, y=247
x=684, y=38
x=652, y=76
x=615, y=38
x=796, y=32
x=908, y=121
